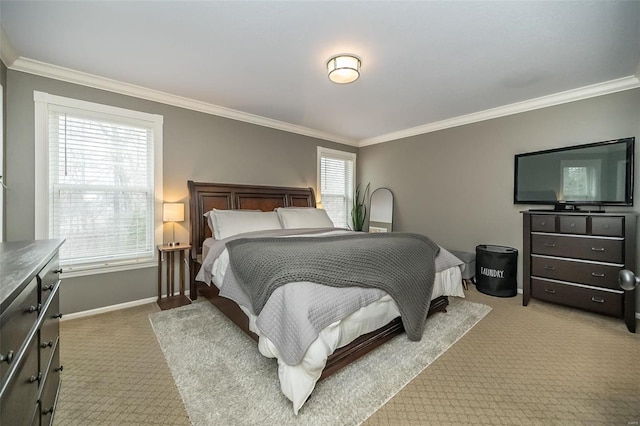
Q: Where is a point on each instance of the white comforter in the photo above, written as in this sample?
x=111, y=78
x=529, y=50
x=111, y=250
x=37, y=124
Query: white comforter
x=298, y=381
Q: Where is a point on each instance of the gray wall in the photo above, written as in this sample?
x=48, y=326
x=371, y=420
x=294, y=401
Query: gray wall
x=456, y=185
x=197, y=146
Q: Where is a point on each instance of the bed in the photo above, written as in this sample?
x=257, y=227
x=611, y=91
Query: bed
x=204, y=197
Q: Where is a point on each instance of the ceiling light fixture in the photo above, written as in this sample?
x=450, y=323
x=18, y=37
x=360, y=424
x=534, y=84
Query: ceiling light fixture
x=343, y=68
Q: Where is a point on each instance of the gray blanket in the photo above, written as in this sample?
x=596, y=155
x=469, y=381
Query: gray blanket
x=403, y=265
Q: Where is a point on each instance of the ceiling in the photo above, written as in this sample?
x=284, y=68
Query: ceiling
x=425, y=65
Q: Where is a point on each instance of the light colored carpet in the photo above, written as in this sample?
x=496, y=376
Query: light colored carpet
x=542, y=364
x=115, y=373
x=223, y=379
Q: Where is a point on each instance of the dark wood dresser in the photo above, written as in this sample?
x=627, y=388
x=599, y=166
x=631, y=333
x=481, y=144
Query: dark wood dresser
x=574, y=259
x=29, y=324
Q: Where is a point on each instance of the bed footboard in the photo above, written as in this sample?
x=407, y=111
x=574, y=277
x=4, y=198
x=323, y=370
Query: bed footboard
x=368, y=342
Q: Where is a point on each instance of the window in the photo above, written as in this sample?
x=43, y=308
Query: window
x=98, y=183
x=336, y=183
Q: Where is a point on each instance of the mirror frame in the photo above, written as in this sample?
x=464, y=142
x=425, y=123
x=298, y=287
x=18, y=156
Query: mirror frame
x=375, y=226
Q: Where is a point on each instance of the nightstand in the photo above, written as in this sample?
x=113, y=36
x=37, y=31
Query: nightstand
x=171, y=300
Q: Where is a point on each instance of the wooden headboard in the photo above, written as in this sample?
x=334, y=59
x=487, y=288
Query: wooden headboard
x=206, y=196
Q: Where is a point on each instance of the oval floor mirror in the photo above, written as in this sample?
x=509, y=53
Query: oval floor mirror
x=381, y=210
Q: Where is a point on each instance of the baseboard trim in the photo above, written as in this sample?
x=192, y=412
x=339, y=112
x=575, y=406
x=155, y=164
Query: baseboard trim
x=110, y=308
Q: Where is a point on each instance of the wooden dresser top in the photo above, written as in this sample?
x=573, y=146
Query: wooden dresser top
x=20, y=261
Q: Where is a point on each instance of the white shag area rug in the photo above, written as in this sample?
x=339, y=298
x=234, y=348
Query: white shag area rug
x=224, y=380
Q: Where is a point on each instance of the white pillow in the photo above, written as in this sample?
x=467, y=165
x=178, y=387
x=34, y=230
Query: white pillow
x=209, y=216
x=303, y=217
x=227, y=223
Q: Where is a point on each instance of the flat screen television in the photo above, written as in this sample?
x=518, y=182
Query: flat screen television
x=595, y=174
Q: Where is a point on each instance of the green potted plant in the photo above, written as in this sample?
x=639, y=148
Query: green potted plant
x=359, y=210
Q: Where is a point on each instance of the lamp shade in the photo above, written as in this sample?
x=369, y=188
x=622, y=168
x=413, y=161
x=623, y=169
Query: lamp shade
x=343, y=69
x=173, y=212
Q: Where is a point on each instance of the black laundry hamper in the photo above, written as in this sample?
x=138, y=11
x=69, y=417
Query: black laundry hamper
x=496, y=270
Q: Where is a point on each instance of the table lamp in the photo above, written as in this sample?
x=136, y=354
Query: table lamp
x=173, y=212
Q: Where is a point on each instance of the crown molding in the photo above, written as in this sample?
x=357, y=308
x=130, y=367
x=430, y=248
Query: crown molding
x=85, y=79
x=14, y=62
x=608, y=87
x=8, y=53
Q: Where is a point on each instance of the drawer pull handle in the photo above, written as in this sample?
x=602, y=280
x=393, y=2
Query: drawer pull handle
x=597, y=275
x=543, y=223
x=573, y=225
x=47, y=344
x=549, y=244
x=549, y=290
x=597, y=248
x=8, y=357
x=47, y=287
x=58, y=315
x=47, y=411
x=31, y=309
x=597, y=300
x=59, y=369
x=550, y=268
x=35, y=378
x=57, y=271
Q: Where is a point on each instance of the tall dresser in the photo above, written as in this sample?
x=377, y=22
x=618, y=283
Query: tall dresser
x=574, y=259
x=29, y=339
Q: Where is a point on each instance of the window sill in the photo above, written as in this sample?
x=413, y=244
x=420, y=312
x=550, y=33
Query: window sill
x=86, y=270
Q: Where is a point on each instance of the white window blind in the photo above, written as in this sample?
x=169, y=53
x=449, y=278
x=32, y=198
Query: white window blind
x=101, y=186
x=336, y=181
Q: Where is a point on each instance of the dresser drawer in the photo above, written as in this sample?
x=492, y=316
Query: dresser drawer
x=573, y=225
x=607, y=226
x=543, y=223
x=600, y=301
x=579, y=272
x=50, y=388
x=47, y=278
x=598, y=249
x=50, y=328
x=21, y=394
x=17, y=321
